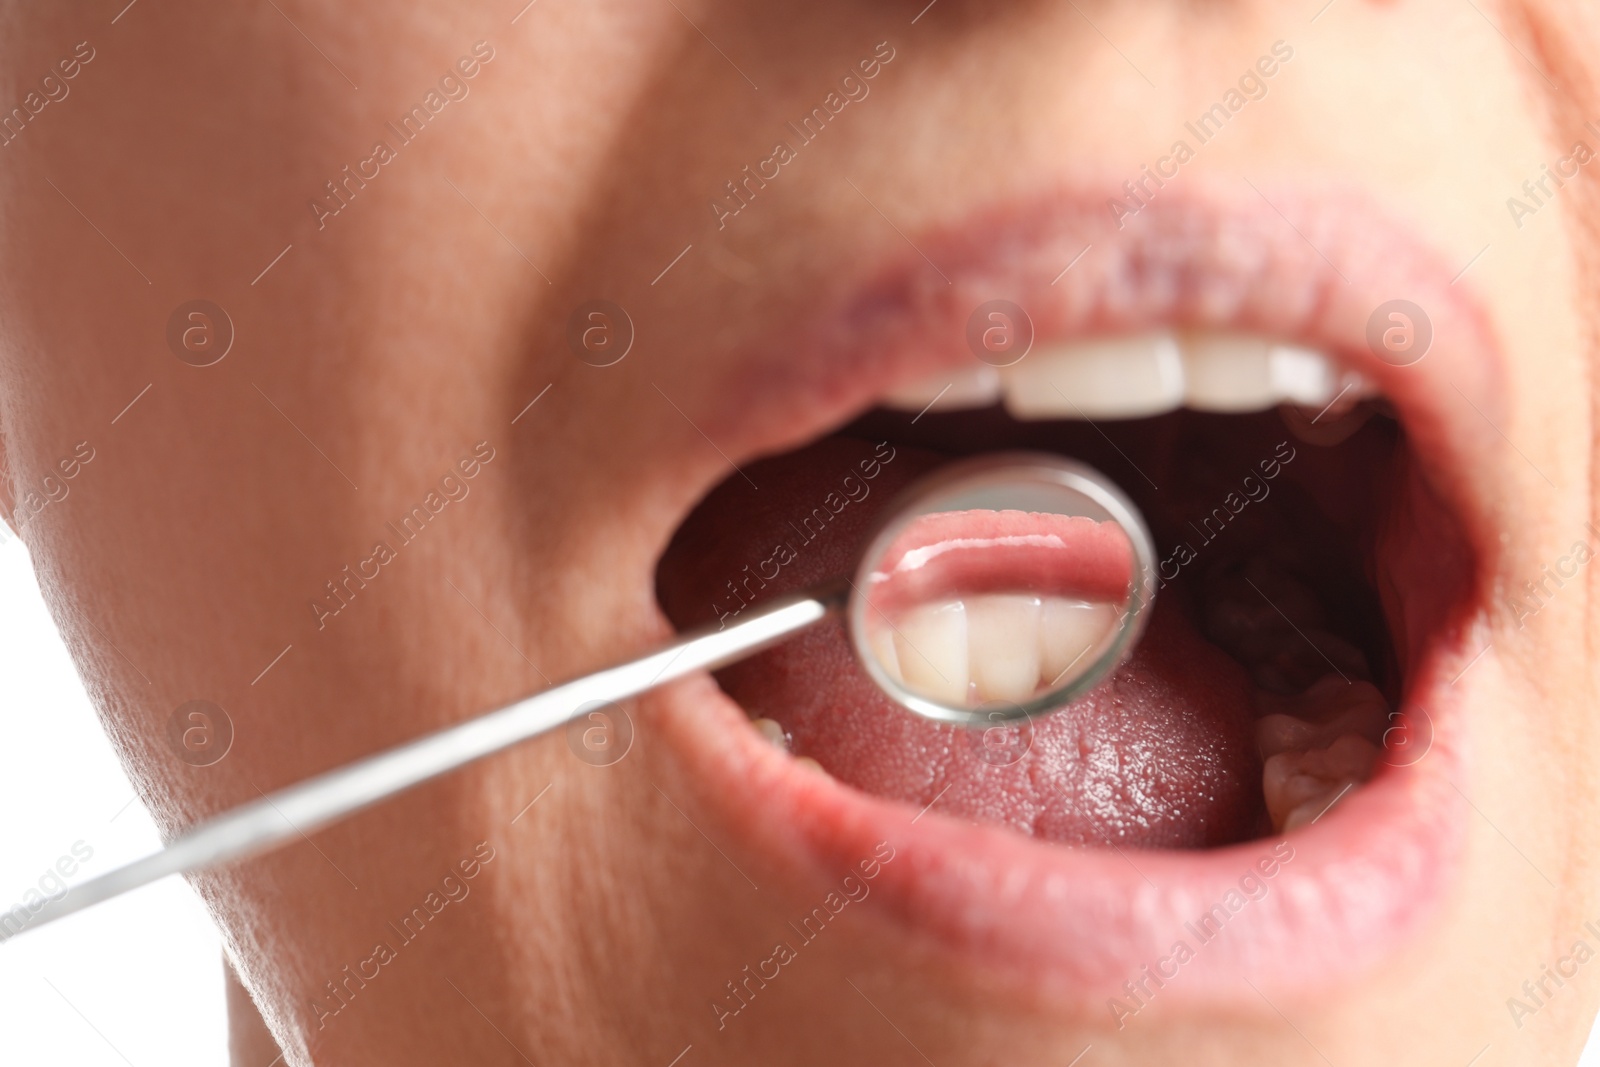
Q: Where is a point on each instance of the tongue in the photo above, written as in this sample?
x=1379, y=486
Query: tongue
x=1160, y=755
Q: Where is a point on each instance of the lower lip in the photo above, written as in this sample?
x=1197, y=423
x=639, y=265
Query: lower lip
x=1087, y=929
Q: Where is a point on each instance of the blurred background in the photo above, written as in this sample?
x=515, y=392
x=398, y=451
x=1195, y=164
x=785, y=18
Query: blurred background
x=136, y=982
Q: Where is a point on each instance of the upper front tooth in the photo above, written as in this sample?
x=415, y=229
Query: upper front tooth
x=1302, y=376
x=1142, y=374
x=1235, y=373
x=1228, y=372
x=1112, y=378
x=966, y=387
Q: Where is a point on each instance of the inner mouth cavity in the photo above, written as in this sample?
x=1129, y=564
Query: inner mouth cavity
x=1282, y=498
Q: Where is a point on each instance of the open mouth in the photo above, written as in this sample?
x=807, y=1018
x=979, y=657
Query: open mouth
x=1280, y=740
x=1267, y=679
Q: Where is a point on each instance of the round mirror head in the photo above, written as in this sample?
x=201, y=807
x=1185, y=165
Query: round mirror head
x=1002, y=588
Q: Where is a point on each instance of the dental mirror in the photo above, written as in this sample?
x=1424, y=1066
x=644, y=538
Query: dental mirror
x=1001, y=588
x=996, y=589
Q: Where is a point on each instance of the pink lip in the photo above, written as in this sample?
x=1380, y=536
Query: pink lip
x=1065, y=928
x=952, y=553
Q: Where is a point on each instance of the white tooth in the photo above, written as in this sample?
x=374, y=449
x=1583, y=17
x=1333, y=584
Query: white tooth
x=1319, y=804
x=1361, y=388
x=1277, y=734
x=881, y=641
x=1228, y=372
x=1331, y=708
x=1114, y=378
x=1003, y=645
x=769, y=729
x=1354, y=402
x=1303, y=376
x=931, y=647
x=977, y=386
x=1068, y=630
x=1301, y=786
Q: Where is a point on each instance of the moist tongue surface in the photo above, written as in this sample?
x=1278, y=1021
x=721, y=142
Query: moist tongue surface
x=1160, y=755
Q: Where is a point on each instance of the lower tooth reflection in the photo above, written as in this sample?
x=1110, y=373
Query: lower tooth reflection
x=1070, y=630
x=882, y=642
x=931, y=644
x=1015, y=579
x=991, y=646
x=1003, y=645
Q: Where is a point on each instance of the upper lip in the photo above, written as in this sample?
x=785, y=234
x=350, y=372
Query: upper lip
x=1306, y=269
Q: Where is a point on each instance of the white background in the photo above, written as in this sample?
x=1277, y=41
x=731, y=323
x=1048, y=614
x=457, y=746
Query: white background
x=136, y=981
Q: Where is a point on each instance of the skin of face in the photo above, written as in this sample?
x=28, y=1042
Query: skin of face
x=396, y=343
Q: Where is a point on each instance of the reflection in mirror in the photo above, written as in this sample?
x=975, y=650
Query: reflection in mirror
x=1015, y=581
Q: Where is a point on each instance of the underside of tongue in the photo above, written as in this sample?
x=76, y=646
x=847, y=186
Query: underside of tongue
x=1161, y=755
